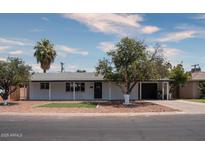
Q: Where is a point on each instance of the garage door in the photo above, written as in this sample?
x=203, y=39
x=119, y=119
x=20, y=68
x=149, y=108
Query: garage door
x=149, y=91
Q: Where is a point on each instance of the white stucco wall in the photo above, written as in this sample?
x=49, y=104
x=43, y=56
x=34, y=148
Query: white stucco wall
x=36, y=93
x=134, y=93
x=58, y=92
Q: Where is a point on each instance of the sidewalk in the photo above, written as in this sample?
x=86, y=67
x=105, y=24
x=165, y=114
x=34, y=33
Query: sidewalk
x=186, y=106
x=91, y=114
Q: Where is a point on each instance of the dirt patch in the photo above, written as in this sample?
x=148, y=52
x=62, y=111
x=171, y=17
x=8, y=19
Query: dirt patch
x=135, y=107
x=102, y=107
x=9, y=104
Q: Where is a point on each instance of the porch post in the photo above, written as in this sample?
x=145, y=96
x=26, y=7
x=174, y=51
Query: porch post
x=24, y=92
x=140, y=90
x=49, y=90
x=137, y=91
x=167, y=90
x=73, y=90
x=162, y=90
x=110, y=91
x=28, y=91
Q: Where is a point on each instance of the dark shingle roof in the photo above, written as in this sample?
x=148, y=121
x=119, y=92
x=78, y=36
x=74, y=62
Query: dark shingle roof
x=198, y=76
x=66, y=76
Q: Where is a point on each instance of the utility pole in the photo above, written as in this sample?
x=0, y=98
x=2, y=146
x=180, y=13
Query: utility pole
x=62, y=66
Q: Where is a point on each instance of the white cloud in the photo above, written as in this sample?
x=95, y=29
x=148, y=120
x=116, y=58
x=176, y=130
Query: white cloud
x=121, y=24
x=168, y=52
x=14, y=42
x=150, y=29
x=199, y=31
x=68, y=50
x=2, y=59
x=36, y=67
x=172, y=52
x=16, y=52
x=45, y=18
x=54, y=68
x=106, y=46
x=71, y=68
x=177, y=36
x=3, y=48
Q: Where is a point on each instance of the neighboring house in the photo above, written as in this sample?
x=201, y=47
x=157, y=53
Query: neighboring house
x=88, y=86
x=191, y=89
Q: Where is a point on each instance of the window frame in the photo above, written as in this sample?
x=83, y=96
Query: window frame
x=44, y=86
x=79, y=87
x=68, y=87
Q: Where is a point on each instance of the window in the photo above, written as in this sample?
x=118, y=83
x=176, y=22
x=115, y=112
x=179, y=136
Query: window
x=82, y=86
x=78, y=87
x=67, y=87
x=44, y=85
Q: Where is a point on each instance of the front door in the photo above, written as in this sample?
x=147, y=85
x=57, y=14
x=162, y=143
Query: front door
x=97, y=90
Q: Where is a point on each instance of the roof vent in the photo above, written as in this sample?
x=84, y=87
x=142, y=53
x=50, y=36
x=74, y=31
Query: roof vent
x=195, y=68
x=81, y=71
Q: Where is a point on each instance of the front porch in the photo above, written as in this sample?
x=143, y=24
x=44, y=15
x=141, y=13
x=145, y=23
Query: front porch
x=154, y=90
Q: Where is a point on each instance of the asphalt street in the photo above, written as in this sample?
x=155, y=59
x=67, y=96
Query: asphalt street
x=138, y=128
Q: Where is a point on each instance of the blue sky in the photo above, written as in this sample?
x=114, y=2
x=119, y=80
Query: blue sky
x=81, y=39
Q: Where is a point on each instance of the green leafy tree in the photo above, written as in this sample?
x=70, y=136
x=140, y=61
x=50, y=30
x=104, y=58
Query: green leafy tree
x=202, y=89
x=128, y=63
x=179, y=78
x=162, y=66
x=13, y=73
x=45, y=54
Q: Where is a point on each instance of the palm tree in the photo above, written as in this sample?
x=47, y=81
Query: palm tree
x=44, y=53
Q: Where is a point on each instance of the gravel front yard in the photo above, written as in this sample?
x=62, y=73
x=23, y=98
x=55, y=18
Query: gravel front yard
x=106, y=107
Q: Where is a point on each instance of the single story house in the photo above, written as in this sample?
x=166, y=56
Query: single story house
x=191, y=88
x=88, y=86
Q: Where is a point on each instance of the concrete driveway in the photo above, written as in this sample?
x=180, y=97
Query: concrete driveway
x=185, y=106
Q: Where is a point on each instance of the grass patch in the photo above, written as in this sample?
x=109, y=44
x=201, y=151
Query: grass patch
x=69, y=105
x=196, y=100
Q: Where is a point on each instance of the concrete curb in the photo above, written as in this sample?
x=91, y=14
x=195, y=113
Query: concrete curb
x=97, y=114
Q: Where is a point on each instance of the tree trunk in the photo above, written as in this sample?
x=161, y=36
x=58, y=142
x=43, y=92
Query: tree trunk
x=129, y=88
x=44, y=71
x=126, y=94
x=5, y=98
x=5, y=102
x=127, y=99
